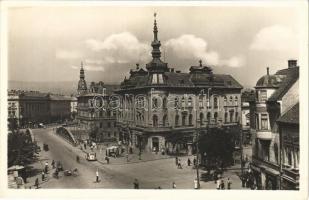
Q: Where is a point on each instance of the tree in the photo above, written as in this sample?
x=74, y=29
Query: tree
x=216, y=145
x=21, y=148
x=12, y=124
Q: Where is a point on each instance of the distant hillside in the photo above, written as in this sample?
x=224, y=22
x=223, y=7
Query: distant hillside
x=65, y=87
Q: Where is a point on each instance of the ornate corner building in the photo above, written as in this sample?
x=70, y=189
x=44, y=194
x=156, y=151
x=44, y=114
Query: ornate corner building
x=161, y=108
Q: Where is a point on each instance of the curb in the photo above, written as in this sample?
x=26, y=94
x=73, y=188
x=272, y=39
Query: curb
x=127, y=163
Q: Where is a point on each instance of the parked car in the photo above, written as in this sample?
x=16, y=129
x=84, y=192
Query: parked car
x=91, y=156
x=41, y=125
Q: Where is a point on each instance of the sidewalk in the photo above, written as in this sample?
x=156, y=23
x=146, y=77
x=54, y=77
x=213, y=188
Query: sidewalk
x=121, y=159
x=37, y=168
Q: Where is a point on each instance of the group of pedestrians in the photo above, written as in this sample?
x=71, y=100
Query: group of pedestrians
x=189, y=162
x=221, y=184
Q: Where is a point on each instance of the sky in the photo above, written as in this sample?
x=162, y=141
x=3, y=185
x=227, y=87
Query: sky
x=49, y=43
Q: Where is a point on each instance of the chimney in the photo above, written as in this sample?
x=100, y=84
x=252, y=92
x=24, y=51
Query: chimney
x=292, y=63
x=172, y=69
x=267, y=70
x=137, y=65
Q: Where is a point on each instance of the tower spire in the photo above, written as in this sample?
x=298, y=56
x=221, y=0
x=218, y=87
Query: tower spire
x=156, y=65
x=155, y=28
x=155, y=43
x=82, y=72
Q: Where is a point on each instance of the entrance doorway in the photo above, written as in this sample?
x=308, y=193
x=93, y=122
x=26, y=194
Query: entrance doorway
x=155, y=144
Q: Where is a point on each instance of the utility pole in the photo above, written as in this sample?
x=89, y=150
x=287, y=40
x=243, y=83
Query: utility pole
x=197, y=159
x=197, y=148
x=241, y=149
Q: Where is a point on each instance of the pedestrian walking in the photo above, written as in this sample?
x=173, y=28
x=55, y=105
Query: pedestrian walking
x=196, y=184
x=53, y=164
x=229, y=183
x=189, y=162
x=215, y=176
x=136, y=184
x=107, y=159
x=194, y=161
x=36, y=183
x=97, y=175
x=179, y=165
x=176, y=161
x=218, y=184
x=174, y=185
x=222, y=185
x=43, y=176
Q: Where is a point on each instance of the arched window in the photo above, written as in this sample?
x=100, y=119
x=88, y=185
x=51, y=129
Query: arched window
x=165, y=120
x=225, y=101
x=154, y=103
x=155, y=120
x=177, y=120
x=231, y=115
x=176, y=102
x=216, y=116
x=183, y=102
x=207, y=102
x=184, y=120
x=236, y=101
x=225, y=117
x=215, y=102
x=190, y=102
x=164, y=103
x=201, y=118
x=200, y=101
x=190, y=119
x=231, y=100
x=236, y=116
x=208, y=117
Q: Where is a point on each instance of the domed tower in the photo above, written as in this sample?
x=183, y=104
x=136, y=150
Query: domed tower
x=82, y=86
x=156, y=67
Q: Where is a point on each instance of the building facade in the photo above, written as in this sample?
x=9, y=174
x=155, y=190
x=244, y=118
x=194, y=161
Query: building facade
x=289, y=140
x=161, y=109
x=266, y=109
x=246, y=98
x=59, y=108
x=29, y=108
x=93, y=111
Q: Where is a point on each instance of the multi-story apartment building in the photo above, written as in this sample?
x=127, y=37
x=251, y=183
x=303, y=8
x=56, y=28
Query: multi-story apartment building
x=266, y=109
x=93, y=110
x=161, y=109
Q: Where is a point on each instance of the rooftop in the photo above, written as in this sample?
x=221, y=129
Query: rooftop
x=292, y=75
x=291, y=116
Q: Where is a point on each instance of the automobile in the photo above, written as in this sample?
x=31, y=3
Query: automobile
x=112, y=151
x=41, y=125
x=91, y=156
x=45, y=147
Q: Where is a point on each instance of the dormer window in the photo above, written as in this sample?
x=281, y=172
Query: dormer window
x=157, y=79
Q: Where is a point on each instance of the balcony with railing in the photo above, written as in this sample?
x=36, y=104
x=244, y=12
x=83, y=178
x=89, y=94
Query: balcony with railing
x=264, y=134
